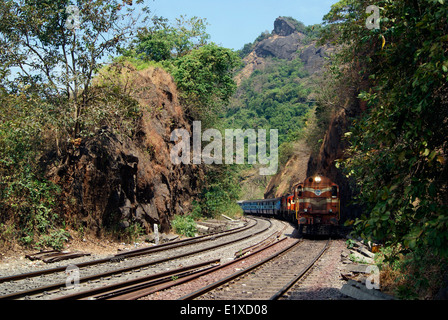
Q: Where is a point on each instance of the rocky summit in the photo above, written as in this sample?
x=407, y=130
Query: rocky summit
x=286, y=42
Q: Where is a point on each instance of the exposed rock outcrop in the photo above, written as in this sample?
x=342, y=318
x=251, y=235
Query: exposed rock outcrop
x=282, y=47
x=314, y=57
x=285, y=43
x=114, y=181
x=283, y=27
x=295, y=171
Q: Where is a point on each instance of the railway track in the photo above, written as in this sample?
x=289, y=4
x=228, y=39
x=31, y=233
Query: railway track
x=268, y=279
x=135, y=289
x=124, y=255
x=176, y=250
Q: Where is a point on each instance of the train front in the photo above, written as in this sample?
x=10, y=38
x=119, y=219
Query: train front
x=317, y=206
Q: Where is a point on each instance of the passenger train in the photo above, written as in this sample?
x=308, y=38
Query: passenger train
x=314, y=206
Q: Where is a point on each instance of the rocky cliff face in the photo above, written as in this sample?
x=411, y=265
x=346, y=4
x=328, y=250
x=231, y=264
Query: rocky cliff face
x=282, y=47
x=295, y=170
x=113, y=181
x=285, y=43
x=332, y=148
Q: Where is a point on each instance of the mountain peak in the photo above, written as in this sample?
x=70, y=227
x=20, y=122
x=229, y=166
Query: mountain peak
x=283, y=27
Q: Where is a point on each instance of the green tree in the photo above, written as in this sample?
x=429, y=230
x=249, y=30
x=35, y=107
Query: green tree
x=399, y=144
x=163, y=41
x=27, y=199
x=56, y=48
x=270, y=96
x=205, y=79
x=50, y=52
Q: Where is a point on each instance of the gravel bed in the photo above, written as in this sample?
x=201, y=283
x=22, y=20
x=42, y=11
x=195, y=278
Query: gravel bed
x=224, y=254
x=324, y=281
x=189, y=287
x=265, y=281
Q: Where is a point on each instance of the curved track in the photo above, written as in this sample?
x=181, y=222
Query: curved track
x=137, y=263
x=143, y=287
x=268, y=279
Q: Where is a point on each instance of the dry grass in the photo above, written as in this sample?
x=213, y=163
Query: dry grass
x=416, y=275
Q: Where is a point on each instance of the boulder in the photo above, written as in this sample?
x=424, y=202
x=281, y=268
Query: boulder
x=360, y=258
x=282, y=47
x=283, y=27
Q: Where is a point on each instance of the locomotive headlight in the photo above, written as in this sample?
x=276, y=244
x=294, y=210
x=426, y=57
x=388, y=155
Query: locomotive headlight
x=318, y=179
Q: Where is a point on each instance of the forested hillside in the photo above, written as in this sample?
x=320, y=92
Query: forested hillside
x=277, y=89
x=271, y=96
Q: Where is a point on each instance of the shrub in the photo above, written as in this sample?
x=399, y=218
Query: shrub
x=184, y=225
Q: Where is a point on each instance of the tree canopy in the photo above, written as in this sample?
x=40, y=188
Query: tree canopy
x=270, y=96
x=399, y=143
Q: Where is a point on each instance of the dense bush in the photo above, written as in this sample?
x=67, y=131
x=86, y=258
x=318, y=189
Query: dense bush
x=399, y=143
x=184, y=225
x=27, y=199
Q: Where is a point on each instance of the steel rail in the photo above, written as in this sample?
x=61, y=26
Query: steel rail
x=37, y=290
x=137, y=252
x=149, y=291
x=141, y=282
x=274, y=236
x=218, y=283
x=283, y=290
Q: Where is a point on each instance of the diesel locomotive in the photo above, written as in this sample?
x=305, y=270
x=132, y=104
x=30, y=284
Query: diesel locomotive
x=314, y=206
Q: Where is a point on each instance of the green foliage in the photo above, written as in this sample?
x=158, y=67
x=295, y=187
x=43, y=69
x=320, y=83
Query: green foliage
x=350, y=243
x=56, y=239
x=184, y=225
x=398, y=146
x=48, y=98
x=48, y=53
x=133, y=232
x=220, y=190
x=163, y=41
x=27, y=200
x=269, y=97
x=205, y=79
x=203, y=72
x=415, y=275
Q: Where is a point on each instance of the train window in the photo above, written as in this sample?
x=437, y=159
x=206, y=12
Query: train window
x=334, y=191
x=299, y=191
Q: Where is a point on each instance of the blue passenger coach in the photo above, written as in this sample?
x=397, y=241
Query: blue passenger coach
x=268, y=207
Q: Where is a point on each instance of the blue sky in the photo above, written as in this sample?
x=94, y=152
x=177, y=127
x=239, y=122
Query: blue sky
x=234, y=23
